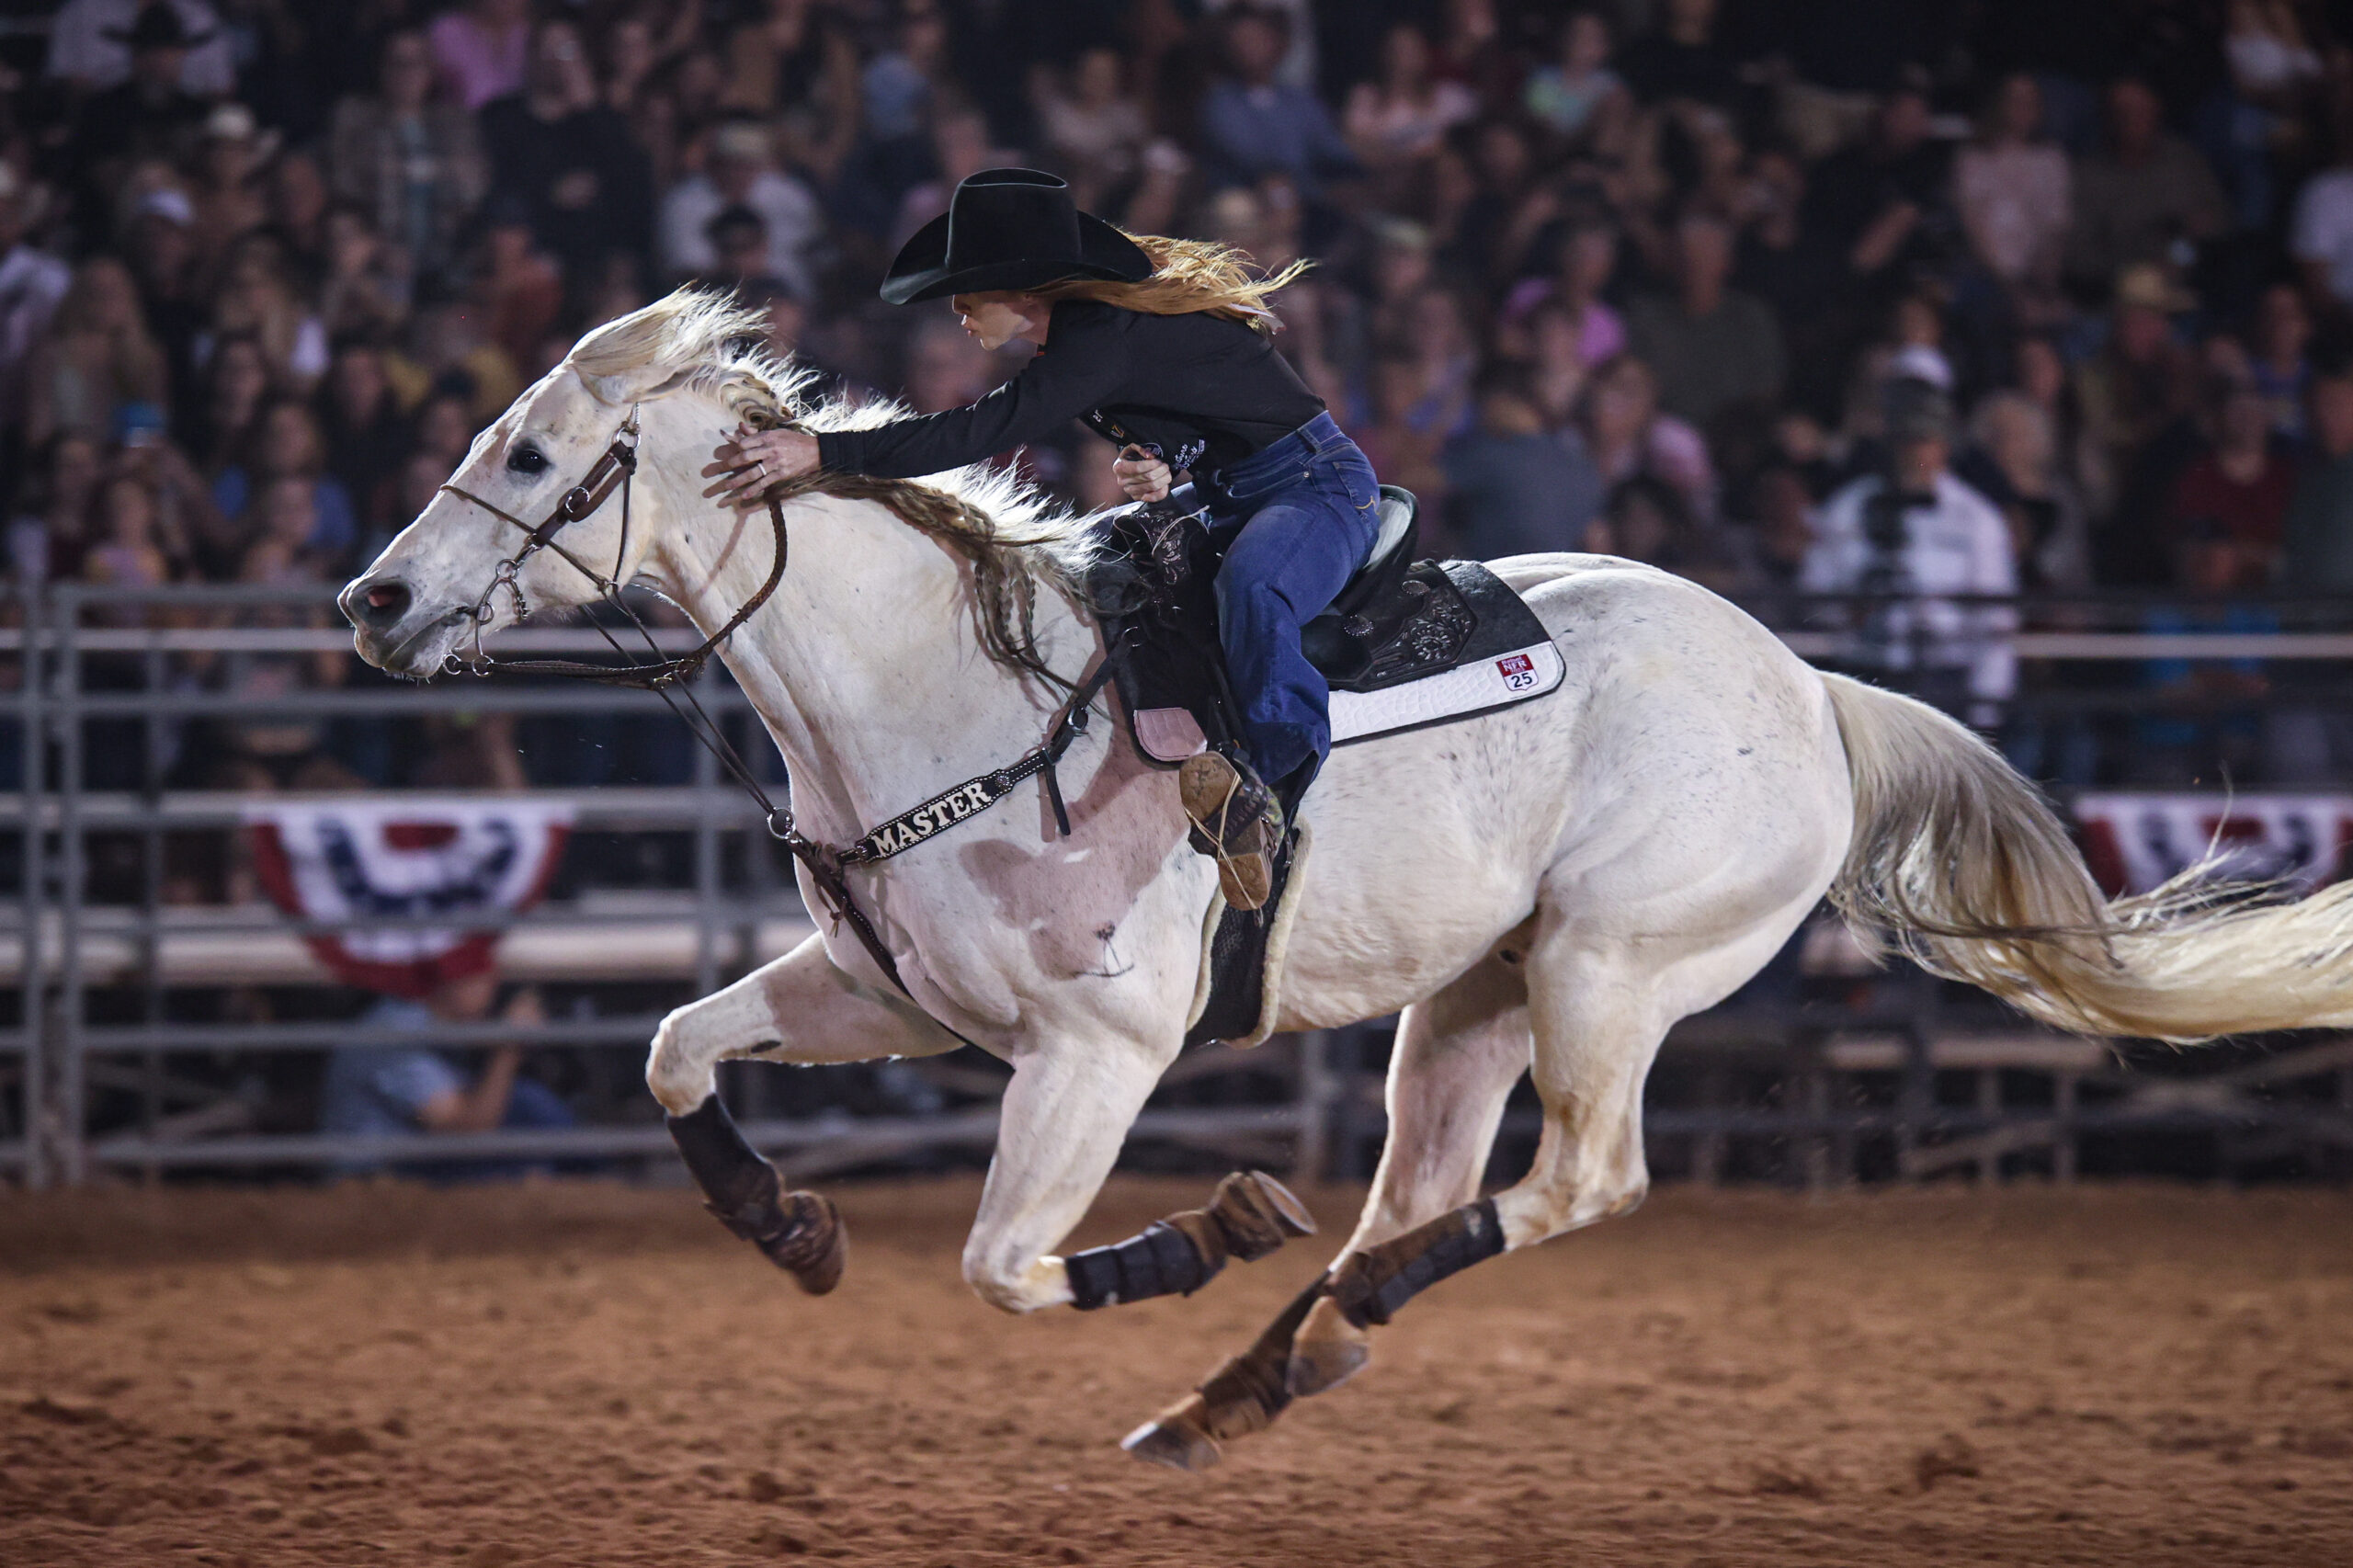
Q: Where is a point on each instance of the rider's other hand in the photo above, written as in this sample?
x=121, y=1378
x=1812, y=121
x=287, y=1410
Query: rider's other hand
x=756, y=460
x=1143, y=476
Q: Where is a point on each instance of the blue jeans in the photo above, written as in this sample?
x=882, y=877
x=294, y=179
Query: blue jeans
x=1297, y=521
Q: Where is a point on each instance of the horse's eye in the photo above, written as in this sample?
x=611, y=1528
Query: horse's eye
x=526, y=459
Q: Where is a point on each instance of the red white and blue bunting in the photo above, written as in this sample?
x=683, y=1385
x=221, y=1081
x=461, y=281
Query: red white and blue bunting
x=2133, y=841
x=406, y=860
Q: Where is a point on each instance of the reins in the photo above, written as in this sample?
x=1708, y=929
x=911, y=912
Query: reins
x=670, y=679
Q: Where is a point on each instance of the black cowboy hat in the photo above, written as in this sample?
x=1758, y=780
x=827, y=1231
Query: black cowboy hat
x=158, y=27
x=1009, y=229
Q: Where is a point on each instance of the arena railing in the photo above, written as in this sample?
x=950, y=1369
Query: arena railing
x=99, y=978
x=97, y=982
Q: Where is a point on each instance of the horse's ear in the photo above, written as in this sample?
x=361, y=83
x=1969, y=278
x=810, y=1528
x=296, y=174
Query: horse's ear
x=637, y=386
x=614, y=389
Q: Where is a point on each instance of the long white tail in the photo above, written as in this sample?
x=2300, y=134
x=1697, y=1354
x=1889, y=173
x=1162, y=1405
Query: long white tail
x=1960, y=863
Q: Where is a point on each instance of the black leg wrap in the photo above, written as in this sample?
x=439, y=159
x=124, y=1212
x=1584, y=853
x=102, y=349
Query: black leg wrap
x=1160, y=1261
x=730, y=1173
x=1250, y=1215
x=800, y=1232
x=1373, y=1284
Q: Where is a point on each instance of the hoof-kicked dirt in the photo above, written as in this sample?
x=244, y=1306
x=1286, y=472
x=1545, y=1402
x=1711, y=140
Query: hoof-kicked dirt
x=576, y=1375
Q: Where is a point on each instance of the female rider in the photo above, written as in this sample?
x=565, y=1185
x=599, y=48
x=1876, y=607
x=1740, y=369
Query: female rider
x=1161, y=346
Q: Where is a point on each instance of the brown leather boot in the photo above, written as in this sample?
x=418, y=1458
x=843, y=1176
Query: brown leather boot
x=1235, y=818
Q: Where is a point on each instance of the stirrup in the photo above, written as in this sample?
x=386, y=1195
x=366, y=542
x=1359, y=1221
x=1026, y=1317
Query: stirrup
x=1237, y=819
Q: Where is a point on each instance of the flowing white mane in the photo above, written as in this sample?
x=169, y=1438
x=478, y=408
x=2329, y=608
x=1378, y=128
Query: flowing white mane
x=706, y=341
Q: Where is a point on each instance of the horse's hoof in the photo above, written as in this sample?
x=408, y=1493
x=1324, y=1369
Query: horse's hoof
x=1178, y=1437
x=813, y=1246
x=1326, y=1351
x=1257, y=1214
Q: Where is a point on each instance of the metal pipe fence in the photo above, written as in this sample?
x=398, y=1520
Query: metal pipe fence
x=100, y=972
x=117, y=1056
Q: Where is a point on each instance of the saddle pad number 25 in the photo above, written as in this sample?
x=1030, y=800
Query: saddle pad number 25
x=1495, y=681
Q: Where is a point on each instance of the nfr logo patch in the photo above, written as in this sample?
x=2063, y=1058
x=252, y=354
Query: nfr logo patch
x=1518, y=672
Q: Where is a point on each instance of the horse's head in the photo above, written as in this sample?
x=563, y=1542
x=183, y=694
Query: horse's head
x=678, y=373
x=440, y=586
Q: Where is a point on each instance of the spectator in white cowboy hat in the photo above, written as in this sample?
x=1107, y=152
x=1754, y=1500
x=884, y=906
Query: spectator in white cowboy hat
x=225, y=187
x=2138, y=387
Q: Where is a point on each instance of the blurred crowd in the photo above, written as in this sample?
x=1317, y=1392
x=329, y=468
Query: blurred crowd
x=1917, y=297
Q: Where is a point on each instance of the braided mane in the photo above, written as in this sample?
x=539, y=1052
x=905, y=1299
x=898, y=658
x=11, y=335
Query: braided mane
x=1016, y=540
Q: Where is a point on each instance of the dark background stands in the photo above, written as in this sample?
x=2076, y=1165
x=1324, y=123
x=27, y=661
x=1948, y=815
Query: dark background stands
x=1635, y=274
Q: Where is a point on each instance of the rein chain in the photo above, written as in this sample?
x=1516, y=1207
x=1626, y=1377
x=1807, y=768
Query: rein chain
x=669, y=678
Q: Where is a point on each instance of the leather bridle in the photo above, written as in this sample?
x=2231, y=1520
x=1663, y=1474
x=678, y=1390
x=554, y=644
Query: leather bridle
x=615, y=470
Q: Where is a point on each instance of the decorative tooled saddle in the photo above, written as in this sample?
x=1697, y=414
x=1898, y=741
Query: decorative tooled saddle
x=1408, y=643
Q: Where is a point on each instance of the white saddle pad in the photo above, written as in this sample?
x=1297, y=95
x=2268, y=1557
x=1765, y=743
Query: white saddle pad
x=1457, y=693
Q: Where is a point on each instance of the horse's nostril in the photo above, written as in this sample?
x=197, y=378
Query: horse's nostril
x=381, y=605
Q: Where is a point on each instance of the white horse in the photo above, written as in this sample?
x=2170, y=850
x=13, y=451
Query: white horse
x=1548, y=887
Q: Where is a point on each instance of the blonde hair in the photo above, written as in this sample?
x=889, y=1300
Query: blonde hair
x=1188, y=275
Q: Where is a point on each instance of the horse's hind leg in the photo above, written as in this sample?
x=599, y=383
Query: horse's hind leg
x=1599, y=1006
x=1595, y=1031
x=799, y=1009
x=1457, y=1057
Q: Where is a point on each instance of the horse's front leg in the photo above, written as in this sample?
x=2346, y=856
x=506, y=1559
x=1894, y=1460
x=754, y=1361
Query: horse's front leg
x=1065, y=1114
x=799, y=1009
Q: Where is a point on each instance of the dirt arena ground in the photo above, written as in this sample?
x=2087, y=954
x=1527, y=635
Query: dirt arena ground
x=577, y=1374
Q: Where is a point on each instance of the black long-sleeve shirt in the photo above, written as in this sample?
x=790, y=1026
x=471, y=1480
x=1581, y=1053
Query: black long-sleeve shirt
x=1205, y=391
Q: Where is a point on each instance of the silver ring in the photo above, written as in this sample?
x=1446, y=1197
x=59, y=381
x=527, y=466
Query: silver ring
x=762, y=464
